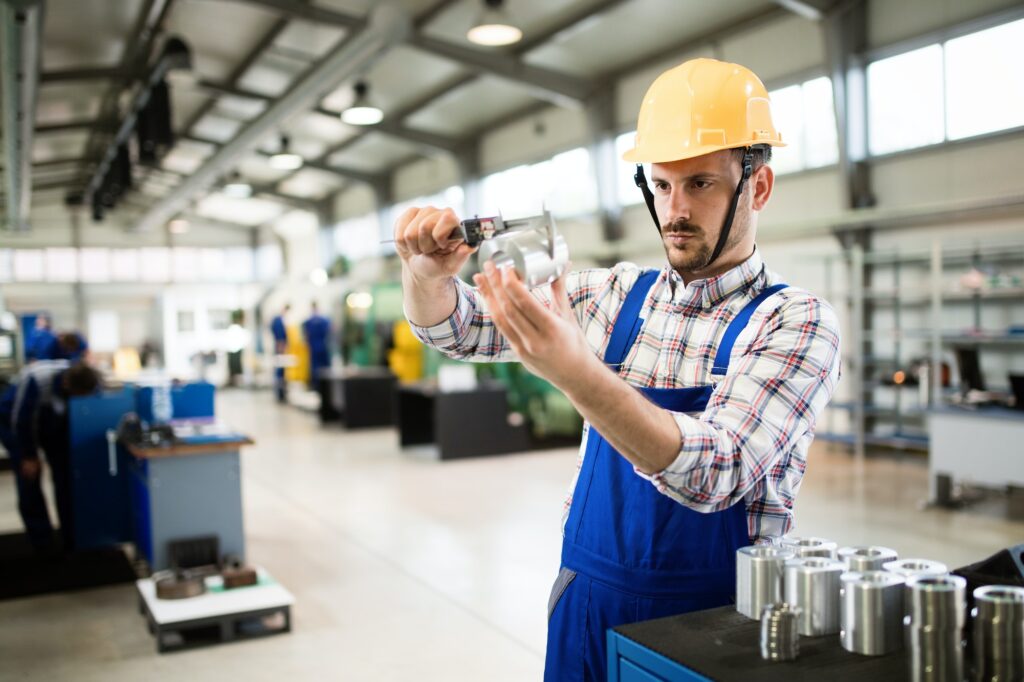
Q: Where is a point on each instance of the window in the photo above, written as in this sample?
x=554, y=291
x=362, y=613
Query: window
x=94, y=265
x=156, y=264
x=6, y=265
x=358, y=238
x=239, y=266
x=213, y=265
x=984, y=81
x=565, y=185
x=124, y=265
x=104, y=331
x=905, y=101
x=61, y=265
x=805, y=117
x=28, y=265
x=186, y=264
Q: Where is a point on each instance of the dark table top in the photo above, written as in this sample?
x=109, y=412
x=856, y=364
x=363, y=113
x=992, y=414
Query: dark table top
x=723, y=645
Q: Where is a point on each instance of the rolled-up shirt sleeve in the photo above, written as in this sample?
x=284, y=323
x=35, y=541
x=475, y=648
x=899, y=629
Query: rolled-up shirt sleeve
x=767, y=403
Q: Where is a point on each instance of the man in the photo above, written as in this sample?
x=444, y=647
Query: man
x=34, y=417
x=42, y=341
x=713, y=374
x=317, y=332
x=280, y=333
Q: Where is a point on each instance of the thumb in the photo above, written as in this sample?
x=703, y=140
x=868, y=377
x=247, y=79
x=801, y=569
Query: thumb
x=560, y=296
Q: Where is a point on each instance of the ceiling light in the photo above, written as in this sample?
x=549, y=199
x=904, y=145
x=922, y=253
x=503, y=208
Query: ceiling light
x=494, y=27
x=178, y=226
x=237, y=187
x=285, y=159
x=362, y=112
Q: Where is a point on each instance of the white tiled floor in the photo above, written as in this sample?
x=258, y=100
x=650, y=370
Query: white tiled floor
x=407, y=569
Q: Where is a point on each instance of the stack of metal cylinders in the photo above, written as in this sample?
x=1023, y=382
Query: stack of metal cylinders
x=936, y=612
x=866, y=557
x=780, y=639
x=805, y=547
x=759, y=571
x=871, y=612
x=998, y=616
x=812, y=585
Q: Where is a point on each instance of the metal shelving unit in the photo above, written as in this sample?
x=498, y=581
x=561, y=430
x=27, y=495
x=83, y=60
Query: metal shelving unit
x=917, y=314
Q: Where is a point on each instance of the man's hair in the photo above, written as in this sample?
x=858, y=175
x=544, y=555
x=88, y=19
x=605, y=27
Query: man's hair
x=81, y=379
x=761, y=154
x=69, y=344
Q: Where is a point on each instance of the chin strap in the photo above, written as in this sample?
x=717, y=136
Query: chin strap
x=747, y=166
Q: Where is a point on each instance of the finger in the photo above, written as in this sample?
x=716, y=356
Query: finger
x=525, y=303
x=447, y=223
x=401, y=228
x=495, y=306
x=424, y=230
x=560, y=296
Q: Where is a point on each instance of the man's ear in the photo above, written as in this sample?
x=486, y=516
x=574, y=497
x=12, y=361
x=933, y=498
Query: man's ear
x=763, y=181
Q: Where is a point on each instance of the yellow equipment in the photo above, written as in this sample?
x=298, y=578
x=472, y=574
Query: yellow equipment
x=406, y=358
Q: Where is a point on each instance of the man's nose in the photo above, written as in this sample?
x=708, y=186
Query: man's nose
x=676, y=206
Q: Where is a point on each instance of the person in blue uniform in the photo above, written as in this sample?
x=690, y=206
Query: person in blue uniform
x=280, y=334
x=42, y=342
x=33, y=418
x=317, y=332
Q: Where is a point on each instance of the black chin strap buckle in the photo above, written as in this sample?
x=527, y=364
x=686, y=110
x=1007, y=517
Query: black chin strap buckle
x=641, y=181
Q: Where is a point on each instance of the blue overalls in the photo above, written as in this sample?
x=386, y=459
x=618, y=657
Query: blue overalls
x=317, y=330
x=630, y=553
x=280, y=334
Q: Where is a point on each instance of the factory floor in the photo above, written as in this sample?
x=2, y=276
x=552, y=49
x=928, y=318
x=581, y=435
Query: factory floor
x=405, y=568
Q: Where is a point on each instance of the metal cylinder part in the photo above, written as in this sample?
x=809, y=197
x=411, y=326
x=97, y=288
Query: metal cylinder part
x=935, y=619
x=759, y=571
x=529, y=253
x=871, y=612
x=780, y=639
x=866, y=557
x=912, y=567
x=812, y=585
x=805, y=547
x=998, y=616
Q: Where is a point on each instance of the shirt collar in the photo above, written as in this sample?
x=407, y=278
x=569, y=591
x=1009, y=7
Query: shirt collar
x=714, y=290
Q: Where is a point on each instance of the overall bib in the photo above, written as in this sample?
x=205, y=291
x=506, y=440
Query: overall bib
x=629, y=552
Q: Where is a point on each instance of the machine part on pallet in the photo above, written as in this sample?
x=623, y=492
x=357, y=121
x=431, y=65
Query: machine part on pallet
x=998, y=616
x=936, y=612
x=808, y=547
x=178, y=584
x=866, y=557
x=759, y=571
x=908, y=568
x=531, y=246
x=812, y=584
x=871, y=612
x=780, y=639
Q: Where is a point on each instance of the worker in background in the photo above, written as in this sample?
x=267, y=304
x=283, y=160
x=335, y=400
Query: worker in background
x=41, y=341
x=279, y=331
x=317, y=332
x=33, y=418
x=700, y=382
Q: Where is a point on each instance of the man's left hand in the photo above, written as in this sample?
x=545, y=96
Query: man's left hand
x=548, y=340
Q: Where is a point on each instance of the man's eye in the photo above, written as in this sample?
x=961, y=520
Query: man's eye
x=661, y=186
x=701, y=184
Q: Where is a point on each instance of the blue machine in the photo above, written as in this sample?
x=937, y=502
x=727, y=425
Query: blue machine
x=99, y=476
x=189, y=401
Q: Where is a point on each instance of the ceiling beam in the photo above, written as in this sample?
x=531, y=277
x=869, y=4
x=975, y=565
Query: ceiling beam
x=558, y=88
x=565, y=23
x=85, y=123
x=804, y=8
x=85, y=74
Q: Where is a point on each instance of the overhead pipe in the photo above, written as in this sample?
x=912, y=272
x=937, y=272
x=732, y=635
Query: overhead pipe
x=387, y=27
x=21, y=25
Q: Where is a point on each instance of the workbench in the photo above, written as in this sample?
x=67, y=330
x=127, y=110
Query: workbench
x=218, y=615
x=724, y=646
x=981, y=446
x=187, y=490
x=360, y=397
x=458, y=424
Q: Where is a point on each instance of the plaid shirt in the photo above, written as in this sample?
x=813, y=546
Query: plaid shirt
x=751, y=441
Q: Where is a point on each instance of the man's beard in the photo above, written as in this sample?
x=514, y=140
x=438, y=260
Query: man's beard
x=695, y=254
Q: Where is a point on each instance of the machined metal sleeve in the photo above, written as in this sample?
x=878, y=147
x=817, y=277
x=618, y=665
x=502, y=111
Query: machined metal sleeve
x=936, y=613
x=759, y=571
x=866, y=557
x=911, y=567
x=871, y=612
x=807, y=546
x=812, y=585
x=780, y=639
x=998, y=616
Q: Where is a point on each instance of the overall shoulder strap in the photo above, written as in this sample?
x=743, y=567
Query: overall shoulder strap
x=628, y=321
x=737, y=325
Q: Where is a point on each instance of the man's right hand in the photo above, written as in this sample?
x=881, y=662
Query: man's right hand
x=30, y=468
x=424, y=241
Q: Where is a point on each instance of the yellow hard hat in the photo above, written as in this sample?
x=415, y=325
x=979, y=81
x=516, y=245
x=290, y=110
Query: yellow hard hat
x=699, y=107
